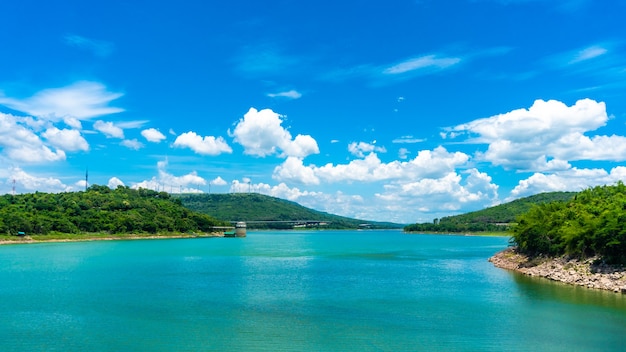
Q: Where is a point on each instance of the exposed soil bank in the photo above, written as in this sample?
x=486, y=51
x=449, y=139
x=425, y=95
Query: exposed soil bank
x=585, y=273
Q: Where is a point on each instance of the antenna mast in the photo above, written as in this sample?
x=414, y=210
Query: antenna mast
x=13, y=187
x=86, y=179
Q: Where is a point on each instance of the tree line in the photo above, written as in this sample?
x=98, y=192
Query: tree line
x=100, y=209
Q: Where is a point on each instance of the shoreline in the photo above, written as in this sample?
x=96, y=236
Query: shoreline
x=30, y=240
x=585, y=273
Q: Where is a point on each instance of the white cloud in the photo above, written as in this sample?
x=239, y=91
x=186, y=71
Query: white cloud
x=449, y=193
x=68, y=140
x=427, y=163
x=218, y=181
x=166, y=182
x=132, y=144
x=19, y=143
x=544, y=137
x=114, y=182
x=293, y=170
x=291, y=94
x=427, y=63
x=208, y=145
x=109, y=129
x=81, y=100
x=400, y=202
x=73, y=122
x=359, y=149
x=27, y=183
x=279, y=191
x=35, y=154
x=152, y=135
x=261, y=134
x=573, y=180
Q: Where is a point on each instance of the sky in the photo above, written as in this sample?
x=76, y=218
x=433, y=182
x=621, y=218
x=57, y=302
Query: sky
x=402, y=111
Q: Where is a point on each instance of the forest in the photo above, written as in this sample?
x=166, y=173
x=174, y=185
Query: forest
x=100, y=209
x=593, y=223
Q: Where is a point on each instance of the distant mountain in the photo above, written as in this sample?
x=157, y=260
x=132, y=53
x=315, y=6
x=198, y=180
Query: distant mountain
x=264, y=212
x=495, y=218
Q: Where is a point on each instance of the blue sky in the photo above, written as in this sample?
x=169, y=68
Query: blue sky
x=399, y=111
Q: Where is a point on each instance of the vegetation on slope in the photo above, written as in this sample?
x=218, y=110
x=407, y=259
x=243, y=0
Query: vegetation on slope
x=264, y=212
x=498, y=218
x=100, y=209
x=593, y=223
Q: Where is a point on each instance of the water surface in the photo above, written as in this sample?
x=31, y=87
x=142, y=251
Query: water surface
x=293, y=291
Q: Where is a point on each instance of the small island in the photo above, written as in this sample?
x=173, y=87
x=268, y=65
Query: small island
x=581, y=241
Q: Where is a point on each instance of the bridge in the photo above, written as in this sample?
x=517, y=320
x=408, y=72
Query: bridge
x=293, y=223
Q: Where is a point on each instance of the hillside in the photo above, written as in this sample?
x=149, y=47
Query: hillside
x=496, y=218
x=264, y=212
x=99, y=210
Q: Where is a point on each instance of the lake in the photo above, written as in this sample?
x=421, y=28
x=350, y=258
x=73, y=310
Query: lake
x=293, y=291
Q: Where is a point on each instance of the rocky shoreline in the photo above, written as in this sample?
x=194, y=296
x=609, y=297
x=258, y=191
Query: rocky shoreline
x=585, y=273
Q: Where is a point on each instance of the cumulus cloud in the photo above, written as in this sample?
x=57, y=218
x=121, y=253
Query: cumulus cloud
x=293, y=170
x=164, y=181
x=27, y=183
x=569, y=180
x=218, y=181
x=114, y=182
x=427, y=163
x=544, y=137
x=81, y=100
x=109, y=129
x=280, y=191
x=68, y=140
x=261, y=134
x=207, y=145
x=153, y=135
x=20, y=143
x=359, y=149
x=452, y=192
x=401, y=201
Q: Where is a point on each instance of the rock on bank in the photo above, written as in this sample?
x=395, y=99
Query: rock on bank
x=585, y=273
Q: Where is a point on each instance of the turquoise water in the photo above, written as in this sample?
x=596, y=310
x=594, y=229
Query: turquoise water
x=293, y=291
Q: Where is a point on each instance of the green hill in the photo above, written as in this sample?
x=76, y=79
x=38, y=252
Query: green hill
x=100, y=210
x=264, y=212
x=497, y=218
